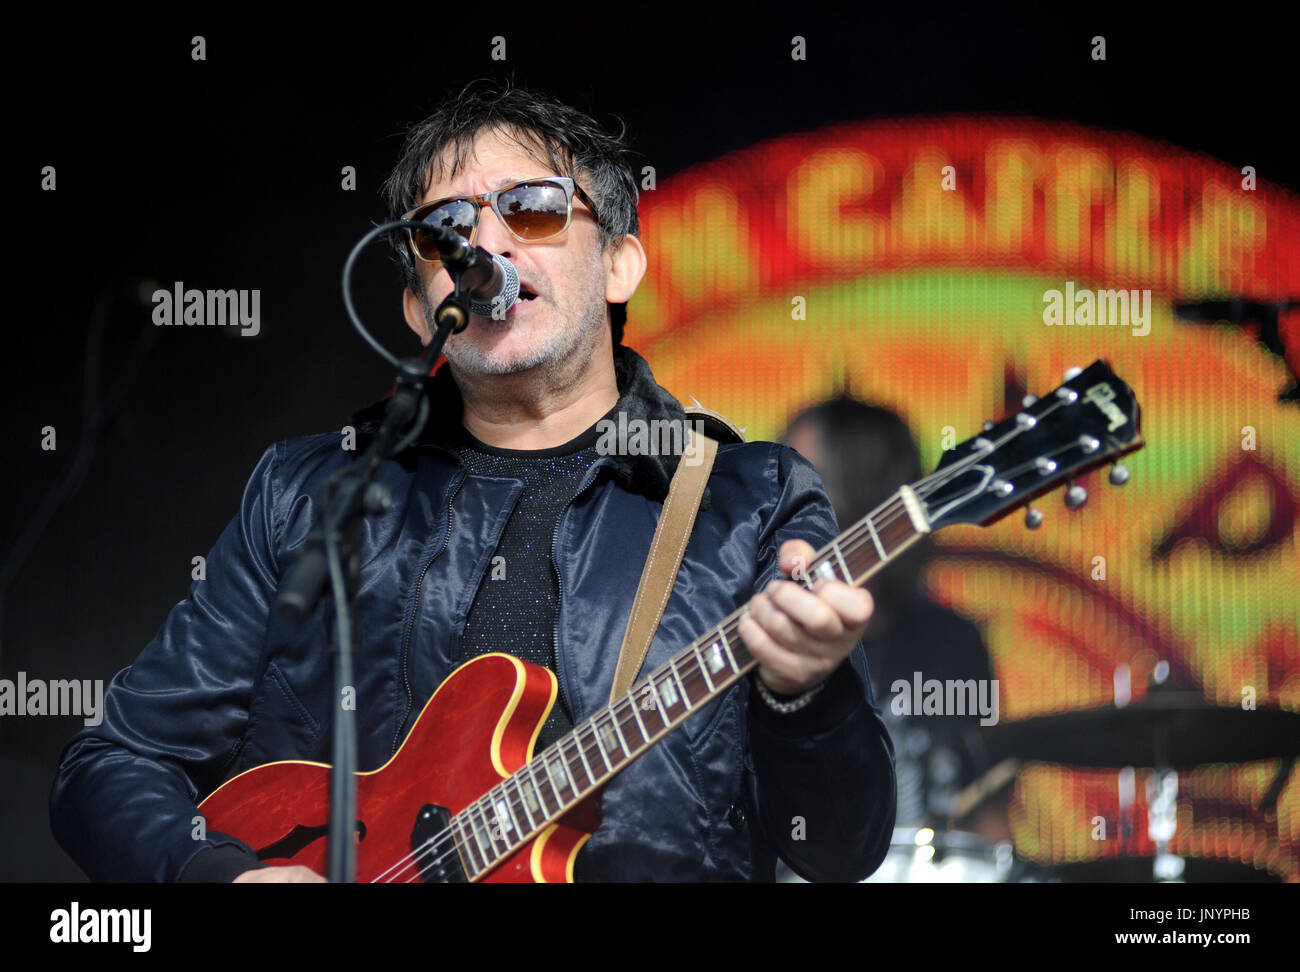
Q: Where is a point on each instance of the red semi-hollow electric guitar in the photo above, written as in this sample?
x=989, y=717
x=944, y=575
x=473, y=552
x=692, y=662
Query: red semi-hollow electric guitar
x=486, y=809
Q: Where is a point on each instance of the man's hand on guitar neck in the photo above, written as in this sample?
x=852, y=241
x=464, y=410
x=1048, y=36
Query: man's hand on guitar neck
x=799, y=637
x=295, y=874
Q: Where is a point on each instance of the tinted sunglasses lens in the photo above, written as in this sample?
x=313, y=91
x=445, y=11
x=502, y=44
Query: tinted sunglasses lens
x=458, y=216
x=535, y=211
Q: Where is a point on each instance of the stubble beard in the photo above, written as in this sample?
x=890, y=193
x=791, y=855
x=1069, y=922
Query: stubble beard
x=554, y=356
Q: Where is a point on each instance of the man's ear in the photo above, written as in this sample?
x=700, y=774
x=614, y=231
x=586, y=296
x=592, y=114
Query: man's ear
x=625, y=265
x=413, y=311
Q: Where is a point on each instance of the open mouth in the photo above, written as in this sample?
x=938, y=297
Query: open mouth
x=525, y=293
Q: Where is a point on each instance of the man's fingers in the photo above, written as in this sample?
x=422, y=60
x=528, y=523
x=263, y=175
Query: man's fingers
x=776, y=623
x=854, y=605
x=827, y=611
x=783, y=670
x=795, y=557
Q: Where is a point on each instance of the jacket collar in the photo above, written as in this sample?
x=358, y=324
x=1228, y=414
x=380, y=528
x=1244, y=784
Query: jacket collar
x=640, y=398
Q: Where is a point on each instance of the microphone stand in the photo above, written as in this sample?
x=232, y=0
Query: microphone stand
x=347, y=496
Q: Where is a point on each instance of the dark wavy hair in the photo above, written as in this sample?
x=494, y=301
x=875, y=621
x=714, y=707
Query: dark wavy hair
x=570, y=142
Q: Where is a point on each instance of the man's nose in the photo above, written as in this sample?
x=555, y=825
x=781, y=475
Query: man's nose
x=492, y=234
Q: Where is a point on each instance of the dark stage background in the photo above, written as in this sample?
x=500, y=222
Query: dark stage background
x=226, y=174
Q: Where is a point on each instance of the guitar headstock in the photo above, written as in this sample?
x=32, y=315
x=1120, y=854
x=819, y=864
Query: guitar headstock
x=1091, y=420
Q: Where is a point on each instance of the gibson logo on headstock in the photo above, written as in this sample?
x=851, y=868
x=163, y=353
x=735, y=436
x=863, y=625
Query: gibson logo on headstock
x=1103, y=396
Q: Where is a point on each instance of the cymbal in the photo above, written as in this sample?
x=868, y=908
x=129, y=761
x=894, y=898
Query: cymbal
x=1174, y=729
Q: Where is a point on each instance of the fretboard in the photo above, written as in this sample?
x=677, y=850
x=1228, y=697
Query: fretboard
x=575, y=766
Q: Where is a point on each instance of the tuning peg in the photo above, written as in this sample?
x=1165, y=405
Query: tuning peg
x=1028, y=400
x=988, y=426
x=1075, y=497
x=1072, y=373
x=1033, y=518
x=1119, y=474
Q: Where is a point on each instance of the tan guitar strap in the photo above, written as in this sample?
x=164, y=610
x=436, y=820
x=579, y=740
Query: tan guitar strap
x=665, y=558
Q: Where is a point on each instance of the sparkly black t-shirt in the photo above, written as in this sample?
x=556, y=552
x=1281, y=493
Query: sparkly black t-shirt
x=515, y=609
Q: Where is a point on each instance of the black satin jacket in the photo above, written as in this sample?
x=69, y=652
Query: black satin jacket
x=227, y=685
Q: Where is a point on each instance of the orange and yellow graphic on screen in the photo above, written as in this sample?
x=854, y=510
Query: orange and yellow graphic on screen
x=914, y=263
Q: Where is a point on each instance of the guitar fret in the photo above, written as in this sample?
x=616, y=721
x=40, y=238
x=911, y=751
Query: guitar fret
x=876, y=538
x=595, y=734
x=525, y=798
x=518, y=806
x=658, y=705
x=899, y=532
x=555, y=769
x=686, y=699
x=486, y=813
x=636, y=714
x=478, y=836
x=552, y=771
x=848, y=574
x=699, y=663
x=726, y=644
x=504, y=816
x=541, y=793
x=741, y=656
x=618, y=731
x=471, y=865
x=669, y=697
x=714, y=658
x=568, y=769
x=582, y=754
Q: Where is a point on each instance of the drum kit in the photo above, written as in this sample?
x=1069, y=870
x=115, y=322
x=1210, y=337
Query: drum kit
x=1168, y=731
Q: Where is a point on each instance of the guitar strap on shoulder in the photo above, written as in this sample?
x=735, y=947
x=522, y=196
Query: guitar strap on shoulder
x=665, y=558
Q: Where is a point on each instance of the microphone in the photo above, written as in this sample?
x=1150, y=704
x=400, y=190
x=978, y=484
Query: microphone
x=491, y=279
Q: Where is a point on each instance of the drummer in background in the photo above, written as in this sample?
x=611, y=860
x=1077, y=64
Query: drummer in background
x=864, y=453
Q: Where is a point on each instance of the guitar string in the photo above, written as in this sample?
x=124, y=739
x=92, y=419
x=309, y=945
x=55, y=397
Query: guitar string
x=892, y=510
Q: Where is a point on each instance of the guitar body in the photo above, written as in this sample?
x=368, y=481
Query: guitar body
x=477, y=729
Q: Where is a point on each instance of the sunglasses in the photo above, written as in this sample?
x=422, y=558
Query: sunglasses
x=532, y=210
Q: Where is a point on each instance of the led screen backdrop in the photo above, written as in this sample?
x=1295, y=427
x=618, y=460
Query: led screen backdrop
x=914, y=262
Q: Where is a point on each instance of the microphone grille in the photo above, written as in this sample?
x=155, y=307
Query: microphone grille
x=506, y=297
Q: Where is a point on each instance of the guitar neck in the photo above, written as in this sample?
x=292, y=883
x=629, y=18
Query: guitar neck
x=575, y=766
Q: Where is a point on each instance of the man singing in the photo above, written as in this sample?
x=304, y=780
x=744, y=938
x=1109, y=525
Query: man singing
x=513, y=530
